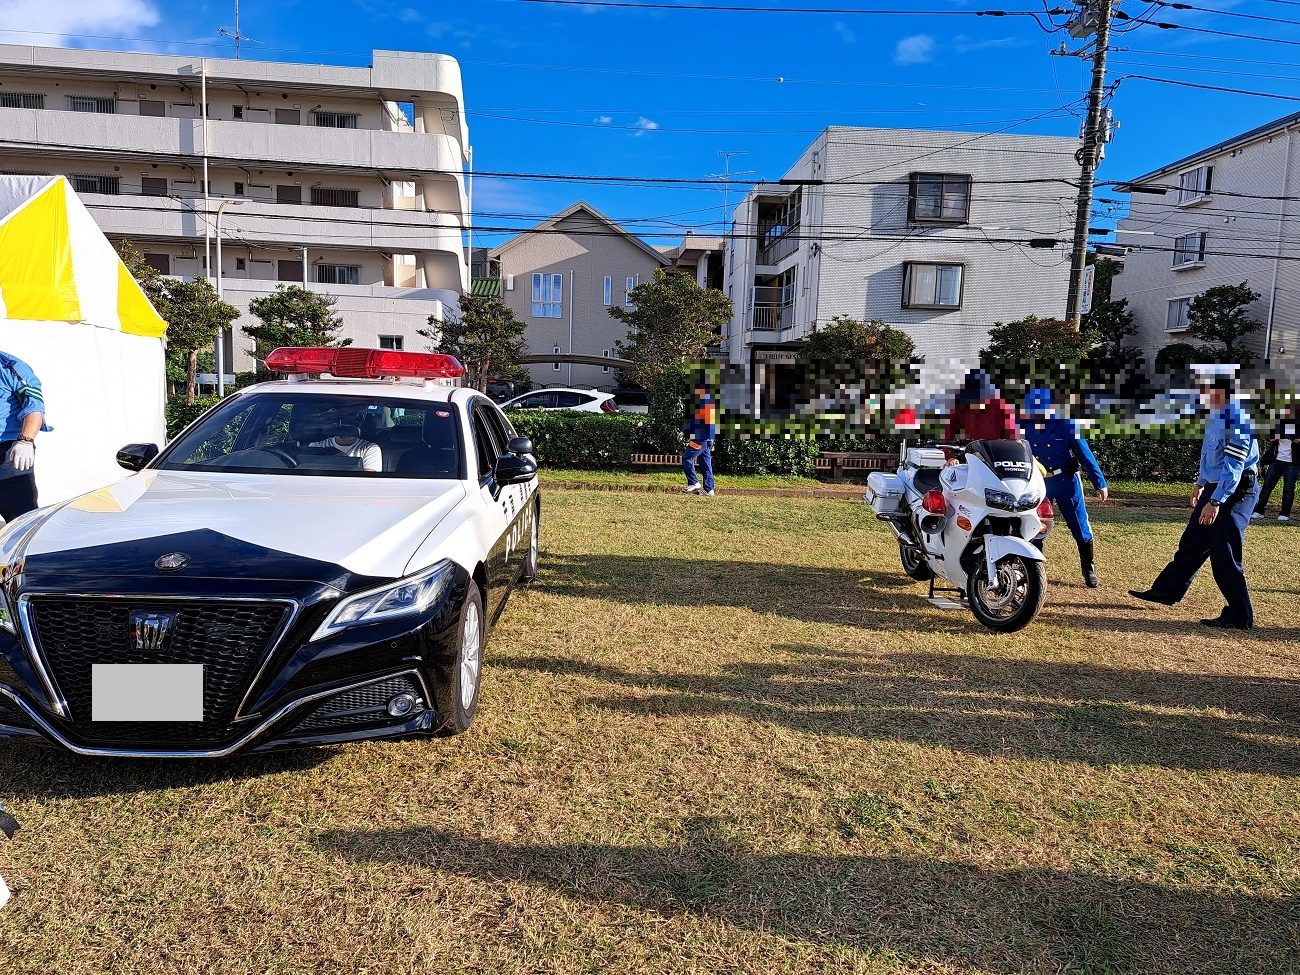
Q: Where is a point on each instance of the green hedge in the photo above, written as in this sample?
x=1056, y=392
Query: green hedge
x=568, y=438
x=180, y=414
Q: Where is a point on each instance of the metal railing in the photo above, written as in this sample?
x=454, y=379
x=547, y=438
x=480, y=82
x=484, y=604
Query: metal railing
x=780, y=248
x=771, y=318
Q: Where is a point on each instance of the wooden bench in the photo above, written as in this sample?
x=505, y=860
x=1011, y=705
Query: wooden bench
x=657, y=460
x=837, y=462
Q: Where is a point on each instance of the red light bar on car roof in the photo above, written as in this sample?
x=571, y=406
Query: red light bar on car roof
x=365, y=363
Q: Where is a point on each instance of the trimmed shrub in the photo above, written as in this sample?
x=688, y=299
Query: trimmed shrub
x=180, y=414
x=568, y=438
x=780, y=456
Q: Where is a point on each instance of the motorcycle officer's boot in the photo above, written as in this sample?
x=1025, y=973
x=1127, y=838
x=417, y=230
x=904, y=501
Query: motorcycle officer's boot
x=1086, y=563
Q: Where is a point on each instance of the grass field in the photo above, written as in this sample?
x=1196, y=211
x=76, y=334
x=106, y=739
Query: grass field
x=726, y=736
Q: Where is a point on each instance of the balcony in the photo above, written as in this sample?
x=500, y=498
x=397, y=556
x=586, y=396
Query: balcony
x=776, y=250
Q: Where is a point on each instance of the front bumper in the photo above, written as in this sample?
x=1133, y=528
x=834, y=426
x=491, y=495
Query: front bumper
x=301, y=694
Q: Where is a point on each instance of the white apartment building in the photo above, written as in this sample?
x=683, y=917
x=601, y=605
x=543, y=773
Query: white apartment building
x=344, y=180
x=928, y=231
x=1224, y=215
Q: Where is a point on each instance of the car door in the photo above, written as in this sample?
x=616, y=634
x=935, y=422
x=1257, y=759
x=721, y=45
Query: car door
x=495, y=507
x=516, y=496
x=572, y=401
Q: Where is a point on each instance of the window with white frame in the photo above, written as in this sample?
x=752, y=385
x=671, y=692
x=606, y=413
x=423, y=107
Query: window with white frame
x=392, y=343
x=1189, y=250
x=1176, y=314
x=548, y=296
x=555, y=366
x=96, y=183
x=605, y=354
x=21, y=99
x=609, y=290
x=334, y=120
x=932, y=285
x=627, y=292
x=338, y=274
x=1194, y=185
x=92, y=103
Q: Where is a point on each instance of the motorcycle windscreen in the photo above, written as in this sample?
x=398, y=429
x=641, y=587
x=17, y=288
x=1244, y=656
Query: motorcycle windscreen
x=1008, y=459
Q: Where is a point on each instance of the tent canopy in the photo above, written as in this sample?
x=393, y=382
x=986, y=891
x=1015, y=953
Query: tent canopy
x=56, y=264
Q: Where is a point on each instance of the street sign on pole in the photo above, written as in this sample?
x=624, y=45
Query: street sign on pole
x=1085, y=299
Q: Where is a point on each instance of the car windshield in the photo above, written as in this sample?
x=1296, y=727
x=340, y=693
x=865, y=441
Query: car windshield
x=323, y=435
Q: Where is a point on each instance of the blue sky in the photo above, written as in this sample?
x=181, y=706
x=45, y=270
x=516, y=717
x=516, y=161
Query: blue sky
x=554, y=89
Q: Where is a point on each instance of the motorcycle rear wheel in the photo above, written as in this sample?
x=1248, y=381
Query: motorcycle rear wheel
x=914, y=563
x=1011, y=603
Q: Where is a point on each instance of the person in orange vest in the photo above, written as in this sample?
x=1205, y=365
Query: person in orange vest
x=699, y=434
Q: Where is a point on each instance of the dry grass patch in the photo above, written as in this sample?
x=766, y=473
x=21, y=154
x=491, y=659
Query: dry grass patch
x=727, y=736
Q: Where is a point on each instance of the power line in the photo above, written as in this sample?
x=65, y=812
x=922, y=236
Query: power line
x=1206, y=30
x=1225, y=13
x=838, y=11
x=1192, y=84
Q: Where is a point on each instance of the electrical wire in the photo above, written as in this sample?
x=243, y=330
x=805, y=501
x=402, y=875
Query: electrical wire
x=1192, y=84
x=729, y=8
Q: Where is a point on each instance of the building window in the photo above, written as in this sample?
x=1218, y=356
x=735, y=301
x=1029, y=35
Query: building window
x=159, y=262
x=392, y=343
x=153, y=185
x=1176, y=314
x=1189, y=251
x=938, y=198
x=605, y=354
x=1194, y=185
x=329, y=196
x=91, y=103
x=334, y=120
x=338, y=274
x=627, y=292
x=241, y=264
x=239, y=189
x=932, y=285
x=18, y=99
x=109, y=185
x=609, y=290
x=237, y=111
x=555, y=366
x=548, y=296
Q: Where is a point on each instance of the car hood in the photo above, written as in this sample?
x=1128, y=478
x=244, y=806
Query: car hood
x=248, y=526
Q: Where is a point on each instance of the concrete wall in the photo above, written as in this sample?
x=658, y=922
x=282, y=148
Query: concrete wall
x=584, y=258
x=1242, y=244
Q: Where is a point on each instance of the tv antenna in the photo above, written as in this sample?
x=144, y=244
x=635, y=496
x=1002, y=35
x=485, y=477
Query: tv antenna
x=235, y=35
x=725, y=177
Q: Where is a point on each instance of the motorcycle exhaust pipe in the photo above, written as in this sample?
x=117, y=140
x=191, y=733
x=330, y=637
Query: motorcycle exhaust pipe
x=932, y=523
x=895, y=525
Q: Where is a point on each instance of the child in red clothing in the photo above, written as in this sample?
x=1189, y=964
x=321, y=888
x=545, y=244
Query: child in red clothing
x=980, y=414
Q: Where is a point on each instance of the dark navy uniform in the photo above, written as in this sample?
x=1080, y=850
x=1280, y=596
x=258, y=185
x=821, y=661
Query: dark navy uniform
x=1061, y=449
x=20, y=396
x=1228, y=480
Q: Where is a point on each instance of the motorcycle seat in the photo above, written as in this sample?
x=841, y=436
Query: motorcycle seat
x=926, y=479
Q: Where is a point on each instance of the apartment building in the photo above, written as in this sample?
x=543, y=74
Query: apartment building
x=1224, y=215
x=941, y=234
x=343, y=180
x=561, y=278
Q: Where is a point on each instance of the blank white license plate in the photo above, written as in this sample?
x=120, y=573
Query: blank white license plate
x=146, y=692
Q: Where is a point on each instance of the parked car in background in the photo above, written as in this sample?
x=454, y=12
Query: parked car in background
x=632, y=400
x=584, y=400
x=500, y=390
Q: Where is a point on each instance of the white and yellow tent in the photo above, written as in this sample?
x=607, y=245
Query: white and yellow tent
x=70, y=309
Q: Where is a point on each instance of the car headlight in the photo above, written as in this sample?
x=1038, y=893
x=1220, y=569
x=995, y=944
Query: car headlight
x=6, y=617
x=406, y=597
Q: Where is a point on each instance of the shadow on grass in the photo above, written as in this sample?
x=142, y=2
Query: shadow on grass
x=37, y=771
x=1012, y=920
x=1072, y=712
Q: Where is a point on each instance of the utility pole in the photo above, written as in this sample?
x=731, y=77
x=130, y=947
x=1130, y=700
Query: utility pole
x=1100, y=12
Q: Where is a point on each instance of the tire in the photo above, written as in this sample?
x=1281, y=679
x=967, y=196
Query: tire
x=1015, y=610
x=532, y=561
x=914, y=563
x=459, y=676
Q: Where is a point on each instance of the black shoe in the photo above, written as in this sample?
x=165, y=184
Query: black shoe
x=1087, y=565
x=1219, y=623
x=1152, y=596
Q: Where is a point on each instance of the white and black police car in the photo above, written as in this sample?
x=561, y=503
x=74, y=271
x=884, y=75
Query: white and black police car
x=313, y=560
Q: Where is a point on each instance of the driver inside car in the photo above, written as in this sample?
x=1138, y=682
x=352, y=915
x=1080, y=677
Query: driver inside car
x=980, y=414
x=347, y=441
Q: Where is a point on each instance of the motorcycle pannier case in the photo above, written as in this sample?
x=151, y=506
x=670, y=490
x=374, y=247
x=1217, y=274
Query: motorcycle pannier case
x=885, y=492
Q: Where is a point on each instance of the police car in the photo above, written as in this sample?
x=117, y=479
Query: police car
x=313, y=560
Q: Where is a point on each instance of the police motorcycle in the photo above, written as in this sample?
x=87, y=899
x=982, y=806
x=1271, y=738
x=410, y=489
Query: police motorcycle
x=972, y=525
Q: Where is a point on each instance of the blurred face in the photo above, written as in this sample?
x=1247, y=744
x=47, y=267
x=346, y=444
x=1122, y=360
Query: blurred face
x=1213, y=397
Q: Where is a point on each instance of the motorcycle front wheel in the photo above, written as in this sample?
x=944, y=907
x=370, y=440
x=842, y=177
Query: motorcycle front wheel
x=1011, y=601
x=914, y=563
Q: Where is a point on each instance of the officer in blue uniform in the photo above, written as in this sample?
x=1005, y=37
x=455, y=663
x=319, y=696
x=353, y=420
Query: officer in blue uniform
x=1059, y=447
x=22, y=416
x=1225, y=495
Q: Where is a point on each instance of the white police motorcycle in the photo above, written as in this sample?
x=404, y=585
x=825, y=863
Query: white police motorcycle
x=973, y=525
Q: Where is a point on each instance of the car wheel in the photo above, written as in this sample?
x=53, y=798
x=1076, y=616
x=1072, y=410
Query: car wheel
x=533, y=560
x=459, y=676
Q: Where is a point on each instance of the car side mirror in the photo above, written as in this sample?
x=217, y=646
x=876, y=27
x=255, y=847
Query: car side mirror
x=515, y=468
x=520, y=446
x=135, y=455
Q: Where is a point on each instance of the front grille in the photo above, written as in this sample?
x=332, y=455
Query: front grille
x=362, y=705
x=230, y=639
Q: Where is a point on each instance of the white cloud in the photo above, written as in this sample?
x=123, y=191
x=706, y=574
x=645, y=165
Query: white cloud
x=964, y=45
x=916, y=49
x=604, y=120
x=58, y=23
x=644, y=125
x=846, y=35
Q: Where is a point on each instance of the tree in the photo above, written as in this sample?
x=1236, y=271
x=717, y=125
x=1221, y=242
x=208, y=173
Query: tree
x=1105, y=270
x=194, y=315
x=847, y=340
x=293, y=316
x=1047, y=341
x=672, y=321
x=485, y=336
x=1178, y=355
x=1219, y=315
